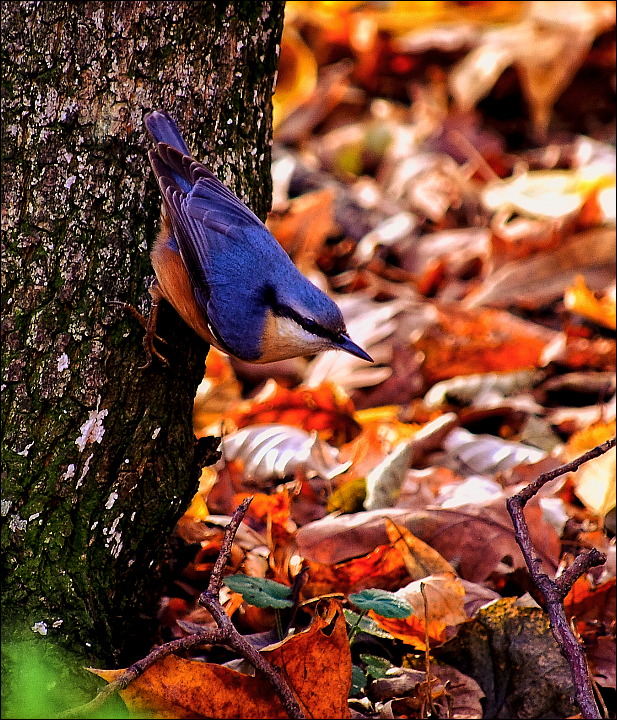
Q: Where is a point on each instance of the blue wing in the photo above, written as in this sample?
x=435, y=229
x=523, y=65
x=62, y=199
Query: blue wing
x=222, y=245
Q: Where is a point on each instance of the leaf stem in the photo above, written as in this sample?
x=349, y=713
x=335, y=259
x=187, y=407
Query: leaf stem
x=356, y=628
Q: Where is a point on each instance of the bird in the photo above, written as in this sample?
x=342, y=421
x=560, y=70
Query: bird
x=223, y=271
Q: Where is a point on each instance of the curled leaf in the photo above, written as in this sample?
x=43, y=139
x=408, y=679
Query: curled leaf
x=276, y=451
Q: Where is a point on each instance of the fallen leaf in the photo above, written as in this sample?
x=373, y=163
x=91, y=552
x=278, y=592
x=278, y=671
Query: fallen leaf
x=471, y=389
x=325, y=408
x=421, y=560
x=594, y=482
x=478, y=537
x=581, y=300
x=444, y=601
x=547, y=48
x=382, y=568
x=413, y=630
x=316, y=662
x=538, y=280
x=601, y=659
x=384, y=481
x=465, y=342
x=487, y=454
x=511, y=653
x=273, y=452
x=587, y=601
x=218, y=391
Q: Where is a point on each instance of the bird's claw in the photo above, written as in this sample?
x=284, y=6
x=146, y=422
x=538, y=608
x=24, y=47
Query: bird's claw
x=149, y=325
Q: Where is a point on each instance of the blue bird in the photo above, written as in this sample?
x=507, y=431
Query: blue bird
x=223, y=271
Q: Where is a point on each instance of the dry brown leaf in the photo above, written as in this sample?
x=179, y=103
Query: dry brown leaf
x=477, y=537
x=444, y=598
x=601, y=657
x=420, y=559
x=455, y=695
x=444, y=601
x=547, y=47
x=316, y=663
x=421, y=487
x=538, y=280
x=465, y=693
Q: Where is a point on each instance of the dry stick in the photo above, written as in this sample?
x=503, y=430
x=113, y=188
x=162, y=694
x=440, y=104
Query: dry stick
x=225, y=634
x=210, y=600
x=554, y=591
x=138, y=668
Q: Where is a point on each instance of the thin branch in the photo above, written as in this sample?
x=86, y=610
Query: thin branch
x=210, y=600
x=206, y=637
x=225, y=634
x=554, y=591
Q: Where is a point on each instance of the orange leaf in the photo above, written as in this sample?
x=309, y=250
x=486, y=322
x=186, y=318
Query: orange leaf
x=444, y=604
x=481, y=340
x=584, y=601
x=421, y=559
x=316, y=663
x=412, y=630
x=581, y=300
x=272, y=511
x=326, y=408
x=581, y=353
x=382, y=568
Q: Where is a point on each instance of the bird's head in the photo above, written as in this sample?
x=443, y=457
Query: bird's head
x=303, y=322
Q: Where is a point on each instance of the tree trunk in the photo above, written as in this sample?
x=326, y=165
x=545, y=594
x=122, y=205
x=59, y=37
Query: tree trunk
x=99, y=460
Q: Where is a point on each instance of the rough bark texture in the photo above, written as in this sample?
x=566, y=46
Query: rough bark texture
x=98, y=459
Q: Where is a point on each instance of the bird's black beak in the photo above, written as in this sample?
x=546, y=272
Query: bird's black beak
x=343, y=342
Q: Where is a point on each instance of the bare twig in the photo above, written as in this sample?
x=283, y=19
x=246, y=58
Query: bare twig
x=225, y=634
x=210, y=600
x=206, y=637
x=554, y=591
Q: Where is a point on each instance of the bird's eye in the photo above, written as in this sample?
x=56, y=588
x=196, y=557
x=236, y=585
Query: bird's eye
x=310, y=325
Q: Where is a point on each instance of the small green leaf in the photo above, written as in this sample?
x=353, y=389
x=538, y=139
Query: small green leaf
x=358, y=681
x=382, y=602
x=377, y=667
x=260, y=592
x=367, y=625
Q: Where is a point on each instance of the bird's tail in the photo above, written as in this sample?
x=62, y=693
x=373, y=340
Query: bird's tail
x=163, y=129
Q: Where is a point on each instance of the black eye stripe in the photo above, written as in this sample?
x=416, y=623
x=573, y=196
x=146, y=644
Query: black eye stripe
x=308, y=324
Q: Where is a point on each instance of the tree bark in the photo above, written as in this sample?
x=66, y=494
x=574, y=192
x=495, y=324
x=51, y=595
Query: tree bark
x=98, y=460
